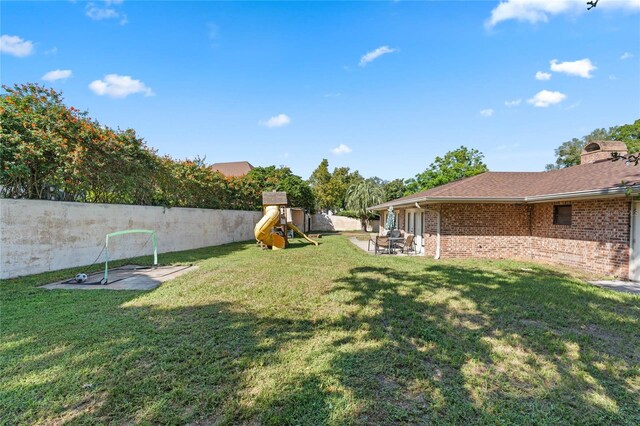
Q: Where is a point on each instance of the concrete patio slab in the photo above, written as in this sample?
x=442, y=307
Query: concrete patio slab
x=129, y=277
x=364, y=245
x=624, y=286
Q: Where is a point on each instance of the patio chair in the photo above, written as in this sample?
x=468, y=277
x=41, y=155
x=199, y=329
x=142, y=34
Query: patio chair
x=381, y=243
x=407, y=245
x=372, y=239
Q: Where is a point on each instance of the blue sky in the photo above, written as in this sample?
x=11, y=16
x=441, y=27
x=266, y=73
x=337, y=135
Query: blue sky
x=381, y=87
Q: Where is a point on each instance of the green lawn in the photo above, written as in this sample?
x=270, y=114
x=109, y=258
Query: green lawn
x=323, y=335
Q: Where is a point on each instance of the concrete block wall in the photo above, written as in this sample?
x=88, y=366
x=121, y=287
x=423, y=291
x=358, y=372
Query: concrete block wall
x=325, y=222
x=38, y=236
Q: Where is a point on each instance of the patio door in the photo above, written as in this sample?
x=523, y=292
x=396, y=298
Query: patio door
x=634, y=254
x=414, y=221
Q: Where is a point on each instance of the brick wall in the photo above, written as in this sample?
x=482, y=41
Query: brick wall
x=595, y=156
x=429, y=236
x=484, y=230
x=597, y=240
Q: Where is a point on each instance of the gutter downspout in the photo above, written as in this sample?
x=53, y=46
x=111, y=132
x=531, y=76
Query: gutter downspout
x=437, y=256
x=437, y=212
x=632, y=231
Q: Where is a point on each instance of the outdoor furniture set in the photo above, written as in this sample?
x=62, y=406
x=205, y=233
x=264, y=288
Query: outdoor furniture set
x=392, y=242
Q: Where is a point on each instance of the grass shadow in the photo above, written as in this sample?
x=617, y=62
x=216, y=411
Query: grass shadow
x=456, y=343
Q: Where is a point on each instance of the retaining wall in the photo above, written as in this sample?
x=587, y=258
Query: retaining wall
x=325, y=222
x=39, y=236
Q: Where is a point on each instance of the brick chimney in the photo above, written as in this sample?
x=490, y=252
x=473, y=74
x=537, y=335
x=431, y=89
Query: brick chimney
x=601, y=150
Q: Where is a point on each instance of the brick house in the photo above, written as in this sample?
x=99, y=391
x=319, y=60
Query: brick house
x=580, y=216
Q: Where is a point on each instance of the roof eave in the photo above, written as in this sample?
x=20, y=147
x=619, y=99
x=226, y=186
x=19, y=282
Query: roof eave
x=591, y=193
x=434, y=200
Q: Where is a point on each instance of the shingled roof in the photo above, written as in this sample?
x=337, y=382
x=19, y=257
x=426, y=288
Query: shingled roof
x=233, y=169
x=601, y=178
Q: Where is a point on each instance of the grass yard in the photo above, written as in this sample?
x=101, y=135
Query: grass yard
x=323, y=335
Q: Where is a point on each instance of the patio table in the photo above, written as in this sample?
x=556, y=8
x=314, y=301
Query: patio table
x=393, y=240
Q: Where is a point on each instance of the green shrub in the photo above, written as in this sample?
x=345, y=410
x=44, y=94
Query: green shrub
x=51, y=151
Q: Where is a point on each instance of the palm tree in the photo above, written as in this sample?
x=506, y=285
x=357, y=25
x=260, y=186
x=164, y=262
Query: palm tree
x=362, y=195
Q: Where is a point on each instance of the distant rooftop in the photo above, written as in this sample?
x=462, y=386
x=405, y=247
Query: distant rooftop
x=233, y=169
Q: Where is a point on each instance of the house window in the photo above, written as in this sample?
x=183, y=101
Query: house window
x=562, y=215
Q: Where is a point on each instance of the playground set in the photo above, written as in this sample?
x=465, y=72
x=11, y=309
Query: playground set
x=273, y=229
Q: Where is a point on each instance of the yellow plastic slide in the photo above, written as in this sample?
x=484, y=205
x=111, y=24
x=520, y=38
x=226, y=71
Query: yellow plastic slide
x=270, y=219
x=263, y=228
x=295, y=228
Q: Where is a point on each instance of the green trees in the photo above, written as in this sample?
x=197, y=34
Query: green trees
x=330, y=189
x=271, y=178
x=319, y=181
x=568, y=153
x=342, y=188
x=456, y=164
x=362, y=195
x=36, y=141
x=393, y=189
x=629, y=134
x=51, y=151
x=190, y=183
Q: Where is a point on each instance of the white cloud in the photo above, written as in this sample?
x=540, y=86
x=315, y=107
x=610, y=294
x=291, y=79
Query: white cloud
x=543, y=76
x=119, y=86
x=332, y=95
x=628, y=5
x=16, y=46
x=531, y=11
x=98, y=13
x=574, y=105
x=544, y=98
x=341, y=149
x=57, y=75
x=276, y=121
x=612, y=77
x=534, y=11
x=581, y=68
x=513, y=103
x=487, y=112
x=374, y=54
x=52, y=51
x=626, y=55
x=507, y=146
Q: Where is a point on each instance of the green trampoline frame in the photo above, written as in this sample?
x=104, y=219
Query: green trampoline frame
x=129, y=231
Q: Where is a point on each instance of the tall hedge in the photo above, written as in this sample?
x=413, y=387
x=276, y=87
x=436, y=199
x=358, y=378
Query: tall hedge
x=51, y=151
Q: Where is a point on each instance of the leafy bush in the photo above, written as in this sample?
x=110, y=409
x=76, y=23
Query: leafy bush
x=51, y=151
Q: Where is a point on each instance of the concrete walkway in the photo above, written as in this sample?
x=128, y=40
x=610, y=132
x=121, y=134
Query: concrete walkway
x=624, y=286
